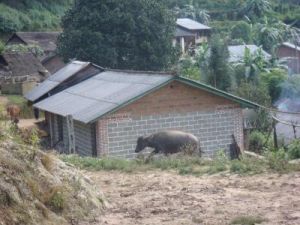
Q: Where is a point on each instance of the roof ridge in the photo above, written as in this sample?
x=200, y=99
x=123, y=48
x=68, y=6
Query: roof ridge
x=173, y=73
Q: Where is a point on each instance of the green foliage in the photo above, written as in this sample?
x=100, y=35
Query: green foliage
x=219, y=76
x=247, y=165
x=31, y=15
x=258, y=93
x=247, y=220
x=258, y=141
x=257, y=8
x=242, y=30
x=277, y=160
x=2, y=46
x=119, y=34
x=273, y=79
x=219, y=163
x=293, y=149
x=55, y=199
x=183, y=165
x=189, y=69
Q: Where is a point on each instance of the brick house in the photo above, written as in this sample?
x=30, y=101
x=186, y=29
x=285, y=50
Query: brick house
x=46, y=41
x=105, y=114
x=290, y=52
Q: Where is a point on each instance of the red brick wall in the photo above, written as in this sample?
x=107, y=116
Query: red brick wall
x=175, y=97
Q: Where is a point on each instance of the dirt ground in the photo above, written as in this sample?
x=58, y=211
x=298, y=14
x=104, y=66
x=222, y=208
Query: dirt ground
x=158, y=197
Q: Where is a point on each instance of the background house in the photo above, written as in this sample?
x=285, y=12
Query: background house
x=46, y=41
x=190, y=33
x=237, y=52
x=19, y=72
x=292, y=53
x=71, y=74
x=112, y=109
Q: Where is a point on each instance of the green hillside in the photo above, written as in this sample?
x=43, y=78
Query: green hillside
x=36, y=15
x=31, y=15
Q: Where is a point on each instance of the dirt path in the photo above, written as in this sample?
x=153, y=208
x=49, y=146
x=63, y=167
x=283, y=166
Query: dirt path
x=157, y=197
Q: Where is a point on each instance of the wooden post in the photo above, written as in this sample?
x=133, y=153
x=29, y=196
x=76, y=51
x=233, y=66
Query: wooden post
x=71, y=134
x=51, y=129
x=275, y=135
x=295, y=131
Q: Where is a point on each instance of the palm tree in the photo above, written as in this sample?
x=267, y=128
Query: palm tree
x=203, y=16
x=257, y=8
x=253, y=64
x=268, y=34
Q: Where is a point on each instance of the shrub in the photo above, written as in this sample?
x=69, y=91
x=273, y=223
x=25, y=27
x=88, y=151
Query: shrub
x=247, y=165
x=247, y=220
x=55, y=199
x=219, y=163
x=294, y=149
x=259, y=140
x=277, y=160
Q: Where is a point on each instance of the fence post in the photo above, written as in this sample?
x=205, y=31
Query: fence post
x=71, y=134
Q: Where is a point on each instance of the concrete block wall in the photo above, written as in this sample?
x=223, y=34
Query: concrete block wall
x=213, y=128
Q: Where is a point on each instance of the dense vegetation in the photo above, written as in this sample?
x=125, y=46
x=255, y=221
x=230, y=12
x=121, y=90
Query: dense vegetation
x=31, y=15
x=119, y=34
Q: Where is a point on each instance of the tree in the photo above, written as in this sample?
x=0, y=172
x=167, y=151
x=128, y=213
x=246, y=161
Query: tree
x=257, y=8
x=242, y=30
x=189, y=69
x=131, y=34
x=252, y=64
x=219, y=76
x=273, y=80
x=202, y=16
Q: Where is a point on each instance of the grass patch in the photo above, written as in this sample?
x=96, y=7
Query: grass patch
x=55, y=199
x=185, y=165
x=247, y=220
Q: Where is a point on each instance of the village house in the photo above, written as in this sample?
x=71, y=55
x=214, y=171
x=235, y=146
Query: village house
x=237, y=52
x=105, y=114
x=190, y=33
x=71, y=74
x=46, y=41
x=290, y=52
x=20, y=72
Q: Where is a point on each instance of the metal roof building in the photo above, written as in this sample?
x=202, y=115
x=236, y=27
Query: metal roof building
x=58, y=78
x=111, y=109
x=237, y=52
x=190, y=24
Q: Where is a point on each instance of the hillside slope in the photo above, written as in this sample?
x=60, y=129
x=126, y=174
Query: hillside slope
x=31, y=15
x=38, y=188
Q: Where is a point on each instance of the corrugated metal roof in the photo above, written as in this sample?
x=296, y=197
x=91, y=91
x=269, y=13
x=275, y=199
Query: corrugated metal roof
x=102, y=93
x=237, y=52
x=290, y=45
x=191, y=24
x=57, y=78
x=179, y=32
